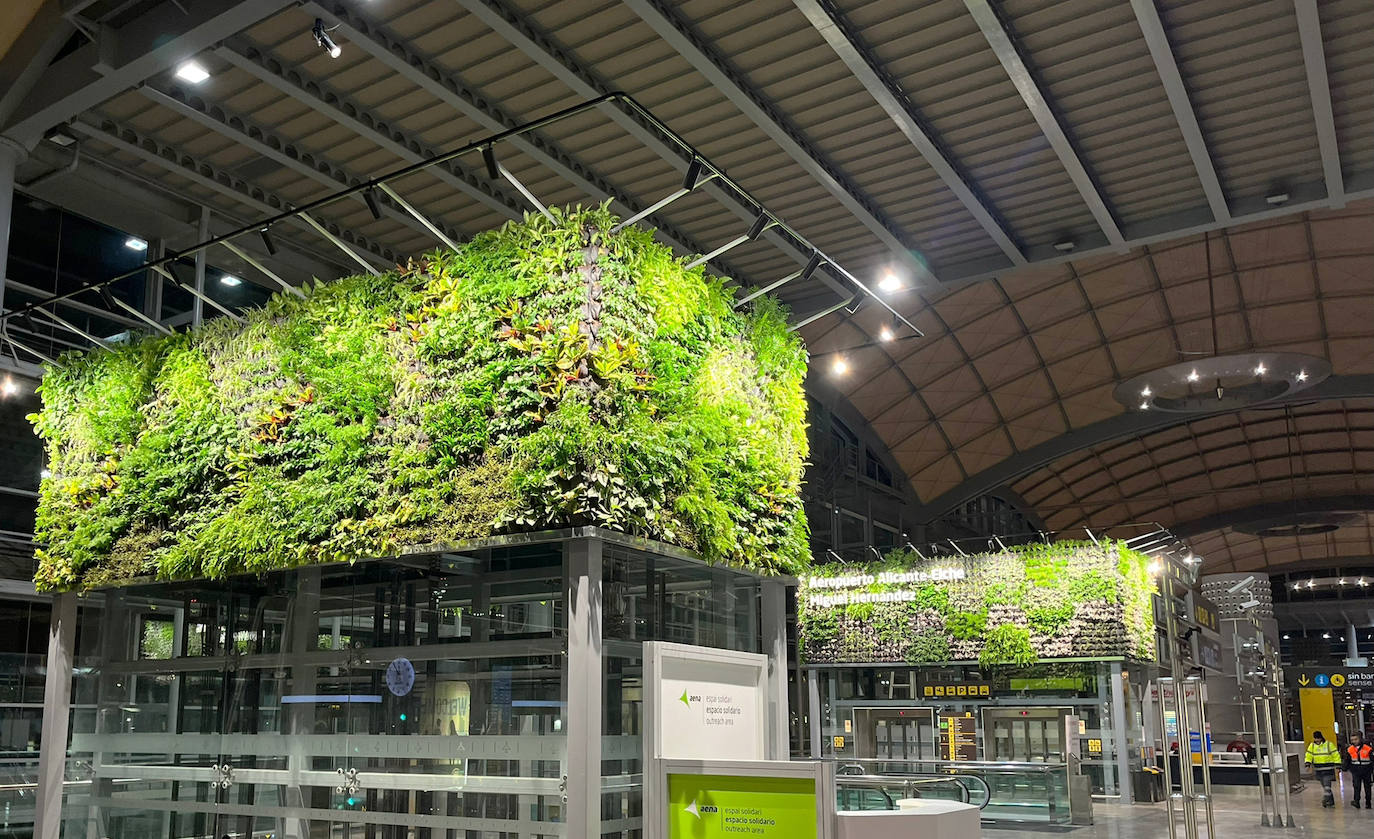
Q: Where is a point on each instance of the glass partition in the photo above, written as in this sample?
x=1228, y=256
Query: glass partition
x=424, y=697
x=1004, y=791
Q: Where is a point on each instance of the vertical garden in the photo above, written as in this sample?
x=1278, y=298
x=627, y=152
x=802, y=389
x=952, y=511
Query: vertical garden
x=1011, y=607
x=547, y=374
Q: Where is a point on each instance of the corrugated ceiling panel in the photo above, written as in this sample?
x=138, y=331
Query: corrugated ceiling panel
x=941, y=59
x=1098, y=73
x=1242, y=60
x=1348, y=30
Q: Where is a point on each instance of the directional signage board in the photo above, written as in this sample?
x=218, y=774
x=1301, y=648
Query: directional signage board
x=1352, y=678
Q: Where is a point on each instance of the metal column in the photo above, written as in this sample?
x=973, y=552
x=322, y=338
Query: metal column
x=813, y=715
x=582, y=779
x=1123, y=757
x=773, y=615
x=10, y=155
x=1168, y=765
x=57, y=701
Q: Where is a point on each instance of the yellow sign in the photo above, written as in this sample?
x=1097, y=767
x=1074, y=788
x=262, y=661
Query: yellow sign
x=838, y=741
x=1337, y=680
x=848, y=726
x=1095, y=747
x=957, y=690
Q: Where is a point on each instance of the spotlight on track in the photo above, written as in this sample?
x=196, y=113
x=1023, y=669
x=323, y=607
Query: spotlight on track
x=322, y=38
x=230, y=280
x=889, y=283
x=370, y=196
x=267, y=241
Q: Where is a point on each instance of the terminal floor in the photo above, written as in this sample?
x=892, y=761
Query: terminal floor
x=1236, y=810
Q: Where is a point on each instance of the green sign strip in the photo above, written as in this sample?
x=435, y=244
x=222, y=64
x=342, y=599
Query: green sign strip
x=720, y=806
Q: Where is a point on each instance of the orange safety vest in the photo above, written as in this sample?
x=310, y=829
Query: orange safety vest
x=1361, y=755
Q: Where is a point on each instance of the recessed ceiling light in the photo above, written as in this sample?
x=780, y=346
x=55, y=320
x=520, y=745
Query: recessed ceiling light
x=230, y=280
x=10, y=387
x=1145, y=406
x=1065, y=246
x=840, y=367
x=1146, y=392
x=1276, y=199
x=1193, y=376
x=135, y=244
x=889, y=282
x=885, y=334
x=1302, y=375
x=1260, y=369
x=193, y=72
x=1326, y=635
x=1285, y=637
x=59, y=137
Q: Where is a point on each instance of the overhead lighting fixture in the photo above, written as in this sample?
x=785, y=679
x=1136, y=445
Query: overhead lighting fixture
x=59, y=137
x=1065, y=246
x=1302, y=375
x=193, y=72
x=1145, y=406
x=889, y=283
x=267, y=241
x=840, y=367
x=1326, y=635
x=135, y=244
x=885, y=334
x=1146, y=393
x=1260, y=369
x=10, y=387
x=45, y=474
x=1285, y=637
x=1193, y=376
x=230, y=280
x=1276, y=199
x=325, y=42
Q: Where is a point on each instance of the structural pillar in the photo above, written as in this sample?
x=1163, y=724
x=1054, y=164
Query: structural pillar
x=1119, y=744
x=57, y=699
x=10, y=155
x=813, y=706
x=582, y=781
x=773, y=609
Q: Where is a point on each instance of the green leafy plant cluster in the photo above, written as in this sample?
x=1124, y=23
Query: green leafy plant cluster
x=1043, y=601
x=552, y=373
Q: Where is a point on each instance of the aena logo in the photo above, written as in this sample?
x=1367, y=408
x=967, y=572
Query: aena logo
x=697, y=810
x=687, y=700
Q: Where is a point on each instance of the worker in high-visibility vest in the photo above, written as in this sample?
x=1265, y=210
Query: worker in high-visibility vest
x=1324, y=758
x=1358, y=759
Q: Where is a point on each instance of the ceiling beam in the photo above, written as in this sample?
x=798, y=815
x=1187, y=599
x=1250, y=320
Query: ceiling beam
x=211, y=177
x=1021, y=76
x=163, y=36
x=1127, y=424
x=541, y=48
x=664, y=20
x=30, y=54
x=1319, y=87
x=1274, y=510
x=830, y=23
x=443, y=85
x=262, y=141
x=1157, y=39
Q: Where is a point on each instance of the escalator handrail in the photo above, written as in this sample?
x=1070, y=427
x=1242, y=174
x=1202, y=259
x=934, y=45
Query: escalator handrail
x=909, y=783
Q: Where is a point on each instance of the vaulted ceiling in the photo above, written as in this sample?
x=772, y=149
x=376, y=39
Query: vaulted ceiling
x=1068, y=190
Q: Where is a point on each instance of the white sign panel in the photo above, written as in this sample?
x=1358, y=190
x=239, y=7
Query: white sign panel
x=711, y=711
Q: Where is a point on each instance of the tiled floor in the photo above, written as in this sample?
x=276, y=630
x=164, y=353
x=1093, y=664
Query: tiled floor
x=1237, y=817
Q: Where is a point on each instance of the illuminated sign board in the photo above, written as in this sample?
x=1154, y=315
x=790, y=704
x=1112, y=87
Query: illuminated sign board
x=849, y=588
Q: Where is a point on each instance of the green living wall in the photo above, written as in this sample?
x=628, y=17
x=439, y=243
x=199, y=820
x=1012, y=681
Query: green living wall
x=545, y=375
x=1062, y=600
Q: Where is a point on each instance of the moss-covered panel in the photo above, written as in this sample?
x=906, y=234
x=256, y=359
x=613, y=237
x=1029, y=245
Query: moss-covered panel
x=1063, y=600
x=549, y=374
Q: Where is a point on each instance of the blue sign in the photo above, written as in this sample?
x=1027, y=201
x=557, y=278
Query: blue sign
x=1322, y=680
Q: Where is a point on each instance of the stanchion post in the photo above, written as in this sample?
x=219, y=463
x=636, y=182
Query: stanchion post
x=1168, y=768
x=1262, y=757
x=1206, y=760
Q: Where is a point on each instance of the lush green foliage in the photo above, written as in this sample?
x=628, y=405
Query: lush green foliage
x=548, y=374
x=1062, y=600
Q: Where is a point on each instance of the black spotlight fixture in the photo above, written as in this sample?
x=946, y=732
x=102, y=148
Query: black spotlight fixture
x=370, y=196
x=267, y=241
x=322, y=38
x=493, y=167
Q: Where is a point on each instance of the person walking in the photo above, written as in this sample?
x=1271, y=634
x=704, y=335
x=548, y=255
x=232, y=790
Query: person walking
x=1323, y=757
x=1358, y=759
